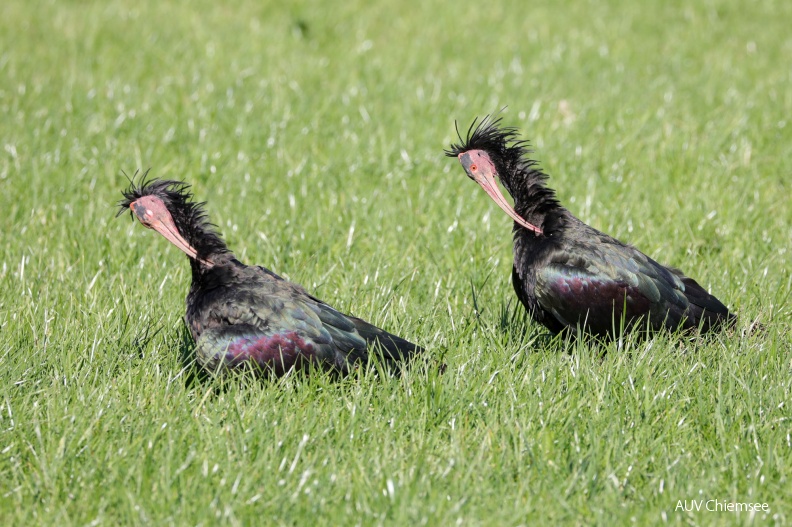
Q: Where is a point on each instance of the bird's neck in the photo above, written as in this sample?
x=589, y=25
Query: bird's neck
x=210, y=247
x=215, y=270
x=535, y=202
x=202, y=236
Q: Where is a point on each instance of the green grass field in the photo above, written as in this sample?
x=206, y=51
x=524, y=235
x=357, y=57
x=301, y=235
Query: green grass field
x=315, y=132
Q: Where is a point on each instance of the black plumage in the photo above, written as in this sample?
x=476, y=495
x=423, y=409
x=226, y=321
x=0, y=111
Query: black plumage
x=568, y=275
x=247, y=315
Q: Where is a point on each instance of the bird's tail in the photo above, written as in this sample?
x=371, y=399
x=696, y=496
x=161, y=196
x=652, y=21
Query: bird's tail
x=393, y=347
x=706, y=311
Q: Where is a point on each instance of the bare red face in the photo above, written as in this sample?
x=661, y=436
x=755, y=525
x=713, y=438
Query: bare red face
x=480, y=168
x=153, y=214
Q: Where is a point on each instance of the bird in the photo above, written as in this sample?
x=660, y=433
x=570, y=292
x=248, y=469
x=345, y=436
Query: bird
x=246, y=316
x=572, y=278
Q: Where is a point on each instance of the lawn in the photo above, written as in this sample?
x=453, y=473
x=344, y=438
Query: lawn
x=315, y=131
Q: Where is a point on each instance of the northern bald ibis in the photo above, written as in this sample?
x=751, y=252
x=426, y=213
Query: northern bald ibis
x=570, y=276
x=247, y=315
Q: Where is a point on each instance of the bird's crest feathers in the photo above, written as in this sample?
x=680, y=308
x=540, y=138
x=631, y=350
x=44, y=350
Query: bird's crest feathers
x=488, y=135
x=501, y=143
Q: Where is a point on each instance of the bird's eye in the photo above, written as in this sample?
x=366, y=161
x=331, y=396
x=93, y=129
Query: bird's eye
x=473, y=167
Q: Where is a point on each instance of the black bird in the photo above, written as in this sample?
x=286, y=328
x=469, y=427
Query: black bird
x=570, y=276
x=242, y=315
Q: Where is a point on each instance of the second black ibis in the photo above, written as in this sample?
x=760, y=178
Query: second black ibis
x=568, y=275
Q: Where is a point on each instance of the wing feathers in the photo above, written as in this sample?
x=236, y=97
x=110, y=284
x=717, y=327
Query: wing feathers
x=622, y=282
x=276, y=324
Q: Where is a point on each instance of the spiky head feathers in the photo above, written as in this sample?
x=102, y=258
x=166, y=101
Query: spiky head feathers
x=509, y=154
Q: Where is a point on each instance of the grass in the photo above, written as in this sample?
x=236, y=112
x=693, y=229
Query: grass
x=315, y=132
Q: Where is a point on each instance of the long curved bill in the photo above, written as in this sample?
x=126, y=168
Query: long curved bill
x=170, y=233
x=491, y=187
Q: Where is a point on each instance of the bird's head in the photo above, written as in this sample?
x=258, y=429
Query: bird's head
x=165, y=207
x=485, y=149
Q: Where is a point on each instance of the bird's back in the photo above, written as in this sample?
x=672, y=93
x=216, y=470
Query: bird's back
x=247, y=313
